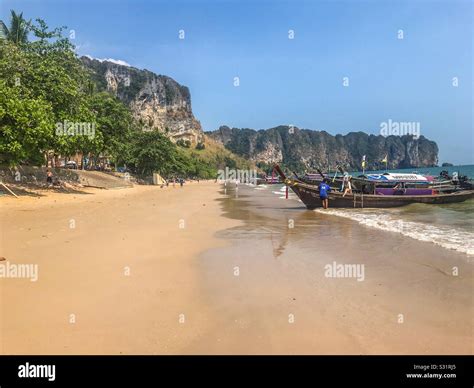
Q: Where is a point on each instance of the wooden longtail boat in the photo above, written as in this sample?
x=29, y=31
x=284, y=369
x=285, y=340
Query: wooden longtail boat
x=386, y=183
x=309, y=195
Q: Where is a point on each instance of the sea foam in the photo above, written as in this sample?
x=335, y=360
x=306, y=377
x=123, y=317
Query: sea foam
x=444, y=236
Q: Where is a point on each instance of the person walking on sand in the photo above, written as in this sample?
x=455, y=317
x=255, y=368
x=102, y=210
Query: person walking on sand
x=324, y=190
x=346, y=185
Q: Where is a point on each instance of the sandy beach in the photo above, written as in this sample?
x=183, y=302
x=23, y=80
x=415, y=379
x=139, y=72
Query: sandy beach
x=127, y=270
x=200, y=270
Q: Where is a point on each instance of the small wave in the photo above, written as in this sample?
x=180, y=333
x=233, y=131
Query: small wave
x=446, y=237
x=282, y=195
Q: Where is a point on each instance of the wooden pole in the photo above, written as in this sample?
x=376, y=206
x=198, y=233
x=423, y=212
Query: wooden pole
x=6, y=187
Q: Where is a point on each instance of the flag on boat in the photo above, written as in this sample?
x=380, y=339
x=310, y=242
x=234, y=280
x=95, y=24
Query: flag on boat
x=364, y=162
x=385, y=160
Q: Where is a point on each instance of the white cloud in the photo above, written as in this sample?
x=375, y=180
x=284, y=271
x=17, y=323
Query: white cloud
x=116, y=61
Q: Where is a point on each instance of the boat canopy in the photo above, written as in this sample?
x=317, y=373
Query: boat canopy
x=312, y=176
x=395, y=177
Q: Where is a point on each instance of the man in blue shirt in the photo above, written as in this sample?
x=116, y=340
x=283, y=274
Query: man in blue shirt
x=324, y=190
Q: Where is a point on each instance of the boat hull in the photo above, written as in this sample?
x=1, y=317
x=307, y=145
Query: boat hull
x=309, y=195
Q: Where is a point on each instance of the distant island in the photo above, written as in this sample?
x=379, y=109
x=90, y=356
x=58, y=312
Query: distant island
x=446, y=164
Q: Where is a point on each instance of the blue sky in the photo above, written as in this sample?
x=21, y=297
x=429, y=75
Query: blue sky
x=294, y=81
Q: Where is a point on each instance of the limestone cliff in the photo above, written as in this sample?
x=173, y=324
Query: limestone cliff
x=305, y=149
x=156, y=101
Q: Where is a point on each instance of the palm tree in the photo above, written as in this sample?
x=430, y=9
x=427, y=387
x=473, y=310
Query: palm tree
x=18, y=31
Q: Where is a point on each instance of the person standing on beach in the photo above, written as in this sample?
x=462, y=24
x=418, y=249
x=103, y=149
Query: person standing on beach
x=49, y=178
x=324, y=190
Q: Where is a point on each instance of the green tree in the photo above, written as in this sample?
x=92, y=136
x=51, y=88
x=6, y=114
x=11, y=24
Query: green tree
x=26, y=127
x=18, y=30
x=114, y=122
x=48, y=70
x=154, y=152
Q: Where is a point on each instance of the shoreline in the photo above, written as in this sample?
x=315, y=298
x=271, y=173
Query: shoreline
x=407, y=297
x=182, y=248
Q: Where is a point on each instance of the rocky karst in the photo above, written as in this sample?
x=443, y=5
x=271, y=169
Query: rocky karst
x=159, y=103
x=305, y=149
x=156, y=101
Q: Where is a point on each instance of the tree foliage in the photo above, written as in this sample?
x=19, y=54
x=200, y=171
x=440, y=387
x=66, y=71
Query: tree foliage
x=47, y=73
x=47, y=94
x=25, y=127
x=152, y=151
x=18, y=30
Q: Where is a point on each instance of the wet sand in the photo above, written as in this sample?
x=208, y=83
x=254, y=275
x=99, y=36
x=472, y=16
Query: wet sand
x=281, y=301
x=235, y=280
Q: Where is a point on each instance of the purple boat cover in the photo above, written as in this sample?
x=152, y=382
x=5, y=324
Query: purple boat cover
x=389, y=191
